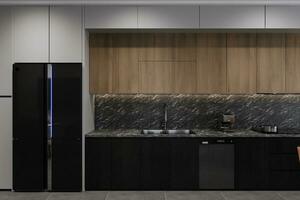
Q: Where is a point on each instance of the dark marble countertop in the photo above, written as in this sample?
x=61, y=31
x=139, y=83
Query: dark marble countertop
x=197, y=133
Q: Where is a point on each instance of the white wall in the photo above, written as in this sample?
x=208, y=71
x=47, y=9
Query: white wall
x=5, y=143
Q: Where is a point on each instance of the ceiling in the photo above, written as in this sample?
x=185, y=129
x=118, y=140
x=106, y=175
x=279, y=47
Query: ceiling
x=149, y=2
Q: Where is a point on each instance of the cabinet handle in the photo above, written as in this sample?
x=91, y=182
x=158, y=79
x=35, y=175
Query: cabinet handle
x=204, y=142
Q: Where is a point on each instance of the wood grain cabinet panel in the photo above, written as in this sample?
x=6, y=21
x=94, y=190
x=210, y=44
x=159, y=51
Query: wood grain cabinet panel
x=155, y=77
x=271, y=63
x=101, y=63
x=185, y=47
x=241, y=63
x=211, y=62
x=185, y=77
x=293, y=63
x=126, y=68
x=157, y=47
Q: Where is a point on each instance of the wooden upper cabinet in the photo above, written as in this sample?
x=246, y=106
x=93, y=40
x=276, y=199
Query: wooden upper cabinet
x=271, y=63
x=126, y=68
x=157, y=47
x=155, y=77
x=293, y=63
x=168, y=47
x=241, y=63
x=211, y=63
x=185, y=77
x=101, y=63
x=184, y=48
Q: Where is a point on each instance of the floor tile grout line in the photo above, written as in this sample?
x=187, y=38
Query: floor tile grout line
x=222, y=195
x=49, y=194
x=165, y=195
x=282, y=197
x=106, y=195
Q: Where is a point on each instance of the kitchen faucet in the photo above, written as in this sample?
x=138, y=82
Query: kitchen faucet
x=165, y=122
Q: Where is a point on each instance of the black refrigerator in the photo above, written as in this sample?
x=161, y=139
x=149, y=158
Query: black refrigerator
x=47, y=127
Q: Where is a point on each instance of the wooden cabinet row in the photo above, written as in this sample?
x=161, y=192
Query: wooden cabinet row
x=192, y=17
x=195, y=63
x=173, y=163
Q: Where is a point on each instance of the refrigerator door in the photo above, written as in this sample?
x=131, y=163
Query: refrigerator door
x=67, y=101
x=29, y=127
x=67, y=127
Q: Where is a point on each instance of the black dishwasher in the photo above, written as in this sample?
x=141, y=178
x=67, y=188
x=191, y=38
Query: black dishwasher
x=216, y=164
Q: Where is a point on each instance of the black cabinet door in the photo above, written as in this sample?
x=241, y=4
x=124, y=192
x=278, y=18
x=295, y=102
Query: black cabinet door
x=251, y=164
x=66, y=165
x=283, y=163
x=97, y=164
x=156, y=164
x=28, y=166
x=184, y=164
x=125, y=162
x=29, y=127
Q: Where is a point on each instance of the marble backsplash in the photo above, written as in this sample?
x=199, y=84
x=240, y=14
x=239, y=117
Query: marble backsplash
x=195, y=111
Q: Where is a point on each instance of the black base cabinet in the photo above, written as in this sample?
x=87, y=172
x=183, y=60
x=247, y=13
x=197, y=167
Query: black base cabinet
x=184, y=164
x=283, y=164
x=155, y=164
x=125, y=164
x=251, y=164
x=97, y=163
x=140, y=164
x=173, y=164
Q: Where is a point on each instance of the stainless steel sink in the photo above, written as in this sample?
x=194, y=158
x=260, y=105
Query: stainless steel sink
x=169, y=131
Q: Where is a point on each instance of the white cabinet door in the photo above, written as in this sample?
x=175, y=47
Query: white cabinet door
x=31, y=34
x=283, y=17
x=5, y=143
x=168, y=17
x=65, y=34
x=5, y=51
x=105, y=17
x=235, y=17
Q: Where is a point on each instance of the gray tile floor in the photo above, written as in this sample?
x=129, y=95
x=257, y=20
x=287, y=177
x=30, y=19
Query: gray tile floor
x=151, y=195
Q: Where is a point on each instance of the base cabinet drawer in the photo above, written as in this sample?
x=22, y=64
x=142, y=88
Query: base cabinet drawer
x=284, y=180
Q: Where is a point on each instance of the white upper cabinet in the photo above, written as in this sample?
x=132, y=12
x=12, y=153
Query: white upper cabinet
x=5, y=143
x=186, y=17
x=232, y=17
x=106, y=17
x=31, y=34
x=5, y=52
x=283, y=17
x=65, y=34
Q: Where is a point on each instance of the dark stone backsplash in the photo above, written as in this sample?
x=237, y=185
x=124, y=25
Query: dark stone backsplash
x=195, y=111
